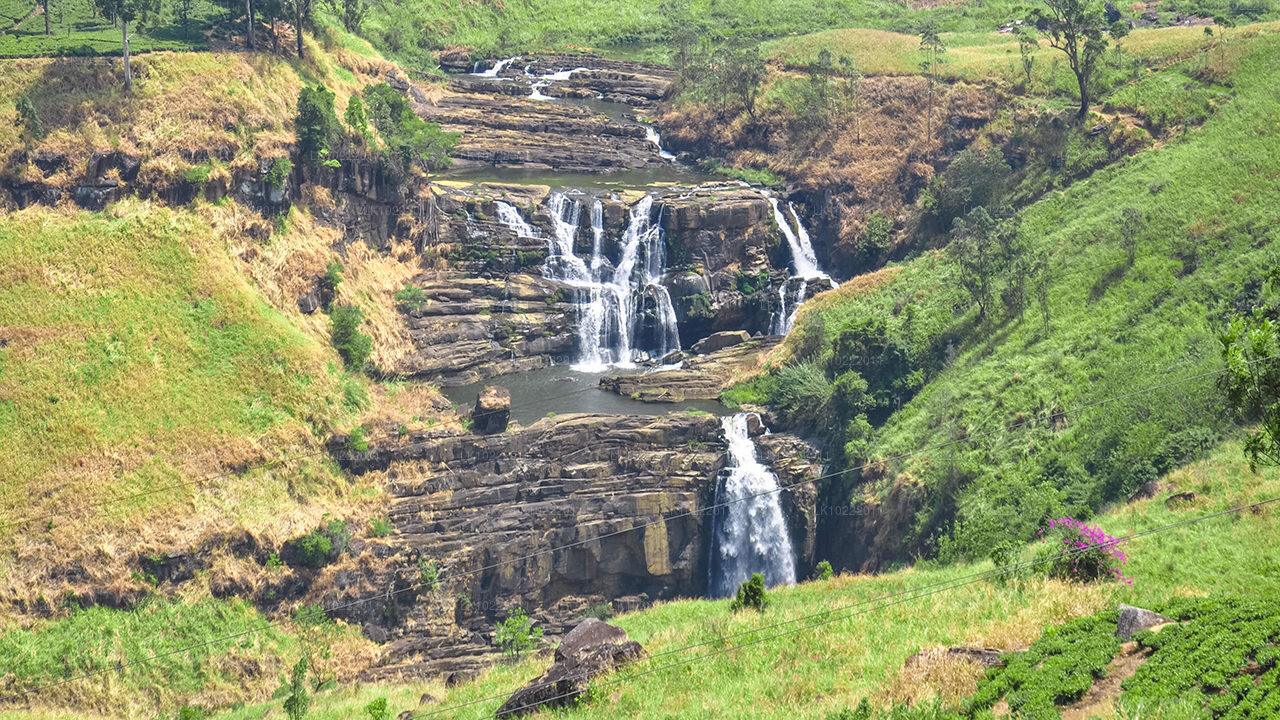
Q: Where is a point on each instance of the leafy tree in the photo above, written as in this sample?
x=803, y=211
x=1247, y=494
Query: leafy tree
x=934, y=49
x=298, y=700
x=344, y=329
x=28, y=118
x=302, y=11
x=356, y=118
x=350, y=12
x=972, y=180
x=751, y=594
x=1077, y=30
x=183, y=8
x=1028, y=43
x=411, y=141
x=850, y=89
x=1251, y=351
x=516, y=634
x=741, y=70
x=126, y=12
x=316, y=125
x=981, y=250
x=1132, y=222
x=824, y=571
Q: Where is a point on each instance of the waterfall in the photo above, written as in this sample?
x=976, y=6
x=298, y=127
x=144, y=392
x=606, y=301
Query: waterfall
x=493, y=71
x=611, y=300
x=749, y=534
x=651, y=134
x=803, y=258
x=541, y=81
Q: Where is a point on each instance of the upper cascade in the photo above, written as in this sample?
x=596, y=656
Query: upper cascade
x=625, y=314
x=805, y=263
x=749, y=533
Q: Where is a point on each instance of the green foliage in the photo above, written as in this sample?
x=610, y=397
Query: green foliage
x=190, y=712
x=751, y=284
x=748, y=175
x=802, y=394
x=313, y=549
x=28, y=118
x=297, y=699
x=377, y=709
x=411, y=297
x=823, y=571
x=982, y=251
x=332, y=277
x=198, y=174
x=726, y=74
x=316, y=124
x=1059, y=668
x=380, y=527
x=1251, y=353
x=277, y=174
x=1077, y=29
x=1203, y=660
x=410, y=141
x=356, y=118
x=356, y=440
x=516, y=634
x=751, y=594
x=971, y=180
x=602, y=611
x=344, y=329
x=428, y=573
x=877, y=238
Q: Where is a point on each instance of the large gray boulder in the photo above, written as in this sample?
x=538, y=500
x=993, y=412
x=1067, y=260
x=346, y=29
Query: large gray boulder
x=1134, y=619
x=592, y=648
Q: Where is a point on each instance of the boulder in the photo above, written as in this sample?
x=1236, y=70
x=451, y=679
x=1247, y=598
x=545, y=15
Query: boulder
x=720, y=341
x=1173, y=501
x=590, y=649
x=492, y=411
x=1132, y=619
x=1148, y=490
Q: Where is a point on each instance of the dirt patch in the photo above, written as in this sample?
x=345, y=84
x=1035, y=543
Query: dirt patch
x=1101, y=697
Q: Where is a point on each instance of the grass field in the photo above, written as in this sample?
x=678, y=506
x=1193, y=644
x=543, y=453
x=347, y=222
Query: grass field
x=811, y=673
x=77, y=29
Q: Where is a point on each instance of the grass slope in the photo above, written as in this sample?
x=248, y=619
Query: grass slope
x=1208, y=199
x=813, y=672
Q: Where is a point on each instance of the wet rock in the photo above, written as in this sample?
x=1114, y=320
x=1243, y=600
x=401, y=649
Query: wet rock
x=1176, y=500
x=1133, y=619
x=721, y=340
x=591, y=649
x=309, y=301
x=492, y=411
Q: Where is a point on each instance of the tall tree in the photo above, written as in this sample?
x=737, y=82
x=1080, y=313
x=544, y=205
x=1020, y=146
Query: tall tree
x=1077, y=30
x=1251, y=351
x=301, y=16
x=126, y=12
x=248, y=24
x=45, y=4
x=934, y=49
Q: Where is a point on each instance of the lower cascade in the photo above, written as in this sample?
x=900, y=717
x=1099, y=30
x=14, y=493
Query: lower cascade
x=612, y=299
x=805, y=263
x=749, y=534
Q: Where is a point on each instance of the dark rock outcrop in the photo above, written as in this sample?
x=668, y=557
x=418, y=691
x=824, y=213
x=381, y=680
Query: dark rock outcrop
x=590, y=649
x=492, y=411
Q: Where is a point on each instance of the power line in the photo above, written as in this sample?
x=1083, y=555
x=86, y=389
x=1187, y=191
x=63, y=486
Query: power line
x=826, y=618
x=418, y=586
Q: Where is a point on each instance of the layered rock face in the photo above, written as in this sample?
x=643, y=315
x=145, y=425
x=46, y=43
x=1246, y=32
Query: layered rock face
x=564, y=515
x=500, y=126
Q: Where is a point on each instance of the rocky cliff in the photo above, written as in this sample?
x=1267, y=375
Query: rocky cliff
x=571, y=513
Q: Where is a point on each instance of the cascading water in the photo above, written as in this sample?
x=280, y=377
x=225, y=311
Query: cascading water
x=497, y=67
x=611, y=299
x=805, y=261
x=749, y=534
x=651, y=134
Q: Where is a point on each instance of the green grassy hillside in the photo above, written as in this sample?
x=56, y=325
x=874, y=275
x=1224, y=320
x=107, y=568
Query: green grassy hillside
x=1207, y=202
x=861, y=651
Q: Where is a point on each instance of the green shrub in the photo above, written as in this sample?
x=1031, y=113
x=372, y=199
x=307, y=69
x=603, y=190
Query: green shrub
x=312, y=550
x=824, y=571
x=411, y=296
x=316, y=124
x=29, y=119
x=378, y=710
x=190, y=712
x=516, y=634
x=198, y=174
x=751, y=284
x=339, y=535
x=344, y=329
x=278, y=172
x=411, y=141
x=355, y=117
x=802, y=395
x=428, y=573
x=297, y=701
x=603, y=611
x=380, y=527
x=357, y=441
x=332, y=276
x=751, y=594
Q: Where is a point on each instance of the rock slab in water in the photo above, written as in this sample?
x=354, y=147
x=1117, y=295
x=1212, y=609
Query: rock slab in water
x=492, y=411
x=592, y=648
x=1133, y=619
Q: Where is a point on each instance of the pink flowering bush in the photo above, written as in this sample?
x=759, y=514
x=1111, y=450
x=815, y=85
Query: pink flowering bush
x=1084, y=552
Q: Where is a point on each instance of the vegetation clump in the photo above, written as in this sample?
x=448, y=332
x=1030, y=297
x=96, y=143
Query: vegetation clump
x=516, y=634
x=344, y=329
x=751, y=595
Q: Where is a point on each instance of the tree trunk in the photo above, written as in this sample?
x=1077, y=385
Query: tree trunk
x=297, y=26
x=128, y=74
x=46, y=18
x=1084, y=95
x=248, y=23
